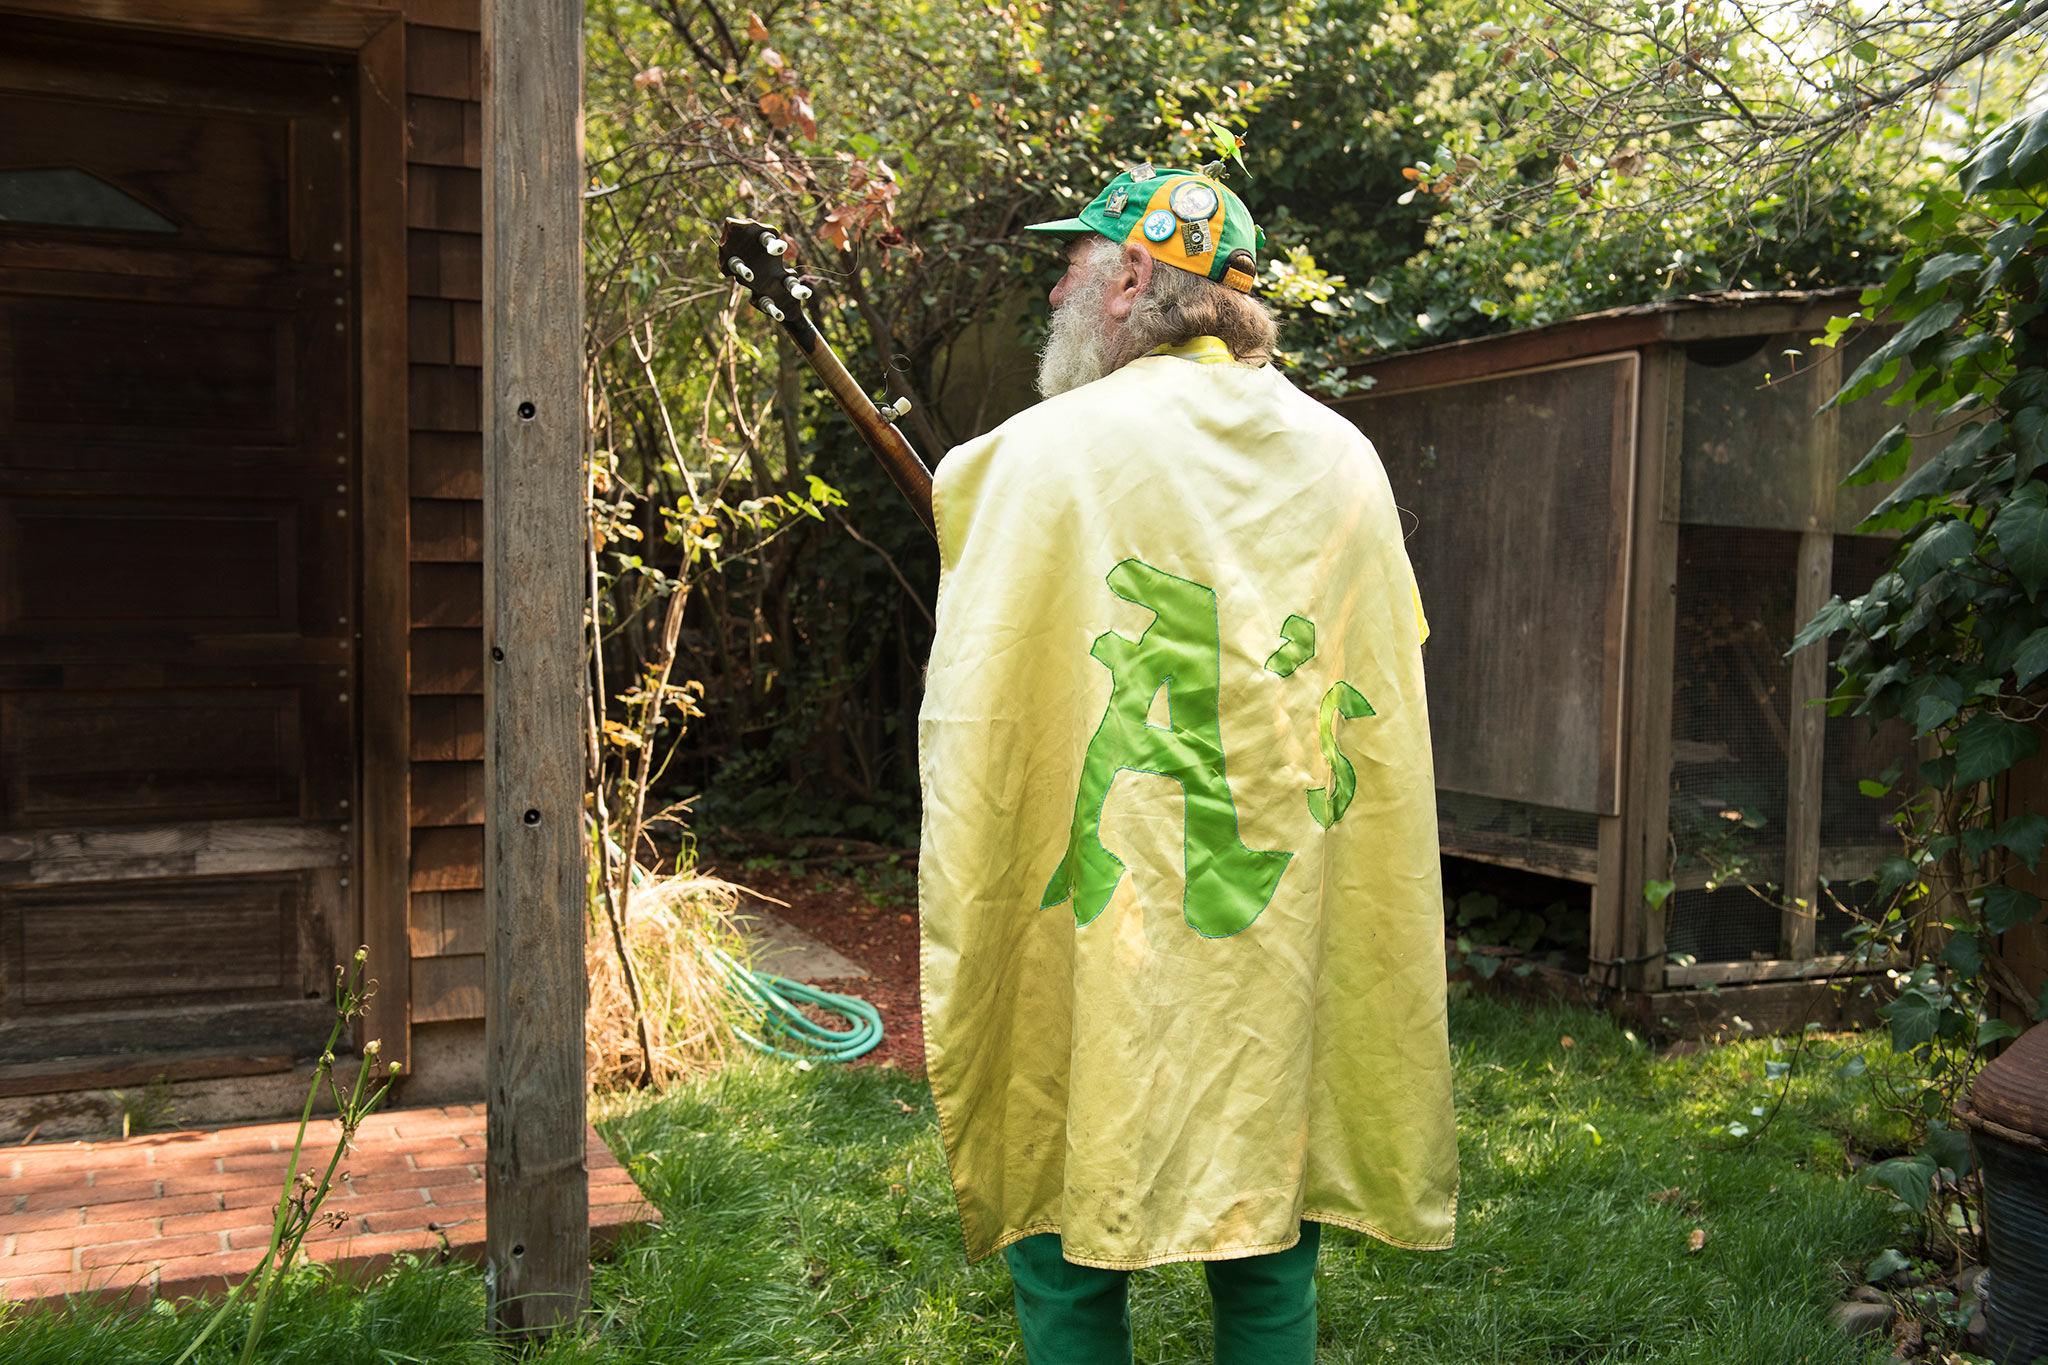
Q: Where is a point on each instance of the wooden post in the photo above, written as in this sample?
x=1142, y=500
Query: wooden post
x=1644, y=853
x=1809, y=680
x=380, y=233
x=536, y=1187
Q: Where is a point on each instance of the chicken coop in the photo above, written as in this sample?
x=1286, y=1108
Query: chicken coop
x=1618, y=524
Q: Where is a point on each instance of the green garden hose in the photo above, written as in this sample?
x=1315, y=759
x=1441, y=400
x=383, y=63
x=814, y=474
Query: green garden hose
x=777, y=998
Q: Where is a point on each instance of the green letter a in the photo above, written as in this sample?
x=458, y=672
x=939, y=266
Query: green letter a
x=1227, y=884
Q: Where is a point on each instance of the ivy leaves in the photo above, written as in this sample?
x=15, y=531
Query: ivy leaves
x=1955, y=634
x=1953, y=637
x=2021, y=530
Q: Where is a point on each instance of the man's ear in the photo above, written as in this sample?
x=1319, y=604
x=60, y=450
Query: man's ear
x=1134, y=276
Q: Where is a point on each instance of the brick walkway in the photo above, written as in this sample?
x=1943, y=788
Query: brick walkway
x=175, y=1214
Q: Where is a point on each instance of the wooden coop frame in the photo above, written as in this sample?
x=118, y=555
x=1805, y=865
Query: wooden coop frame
x=1620, y=520
x=410, y=267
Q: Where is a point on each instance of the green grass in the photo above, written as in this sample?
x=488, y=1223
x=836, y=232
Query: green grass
x=808, y=1218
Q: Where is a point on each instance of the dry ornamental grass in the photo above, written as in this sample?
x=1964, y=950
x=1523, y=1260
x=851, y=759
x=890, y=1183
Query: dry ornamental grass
x=672, y=924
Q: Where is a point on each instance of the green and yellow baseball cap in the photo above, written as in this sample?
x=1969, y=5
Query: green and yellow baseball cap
x=1183, y=218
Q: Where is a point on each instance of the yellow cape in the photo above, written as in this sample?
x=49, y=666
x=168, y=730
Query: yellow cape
x=1183, y=962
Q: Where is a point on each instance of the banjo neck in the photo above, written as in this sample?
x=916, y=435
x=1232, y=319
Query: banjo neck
x=754, y=255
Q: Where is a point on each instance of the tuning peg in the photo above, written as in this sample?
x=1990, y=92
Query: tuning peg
x=774, y=246
x=799, y=291
x=768, y=307
x=740, y=269
x=898, y=409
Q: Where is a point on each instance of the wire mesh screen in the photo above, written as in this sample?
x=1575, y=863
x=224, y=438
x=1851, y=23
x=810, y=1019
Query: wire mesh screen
x=1856, y=750
x=1730, y=736
x=1748, y=452
x=1517, y=548
x=1727, y=924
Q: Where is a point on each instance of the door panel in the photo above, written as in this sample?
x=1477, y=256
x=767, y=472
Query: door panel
x=146, y=371
x=140, y=942
x=102, y=758
x=177, y=563
x=222, y=567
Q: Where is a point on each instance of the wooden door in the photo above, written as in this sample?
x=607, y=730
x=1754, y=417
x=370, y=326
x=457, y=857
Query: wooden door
x=177, y=509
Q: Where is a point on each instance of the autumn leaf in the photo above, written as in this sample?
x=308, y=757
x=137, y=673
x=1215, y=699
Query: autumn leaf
x=772, y=59
x=652, y=76
x=776, y=105
x=838, y=228
x=756, y=30
x=1697, y=1240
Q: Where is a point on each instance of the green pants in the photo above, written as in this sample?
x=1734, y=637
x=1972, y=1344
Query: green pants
x=1265, y=1306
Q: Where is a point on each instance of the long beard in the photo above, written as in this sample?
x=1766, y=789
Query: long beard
x=1078, y=347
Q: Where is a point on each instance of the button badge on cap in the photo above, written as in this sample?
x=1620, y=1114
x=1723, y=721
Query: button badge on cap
x=1193, y=201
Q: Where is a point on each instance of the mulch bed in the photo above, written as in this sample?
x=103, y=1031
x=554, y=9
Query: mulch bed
x=881, y=938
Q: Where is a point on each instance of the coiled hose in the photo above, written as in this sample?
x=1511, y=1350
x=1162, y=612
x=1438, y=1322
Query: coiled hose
x=777, y=998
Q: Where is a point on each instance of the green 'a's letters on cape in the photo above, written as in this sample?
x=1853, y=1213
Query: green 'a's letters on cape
x=1226, y=884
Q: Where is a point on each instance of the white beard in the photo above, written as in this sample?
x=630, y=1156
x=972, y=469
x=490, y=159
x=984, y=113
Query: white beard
x=1077, y=348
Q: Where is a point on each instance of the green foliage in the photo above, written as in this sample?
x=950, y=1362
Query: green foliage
x=1482, y=166
x=1479, y=919
x=1418, y=164
x=1950, y=638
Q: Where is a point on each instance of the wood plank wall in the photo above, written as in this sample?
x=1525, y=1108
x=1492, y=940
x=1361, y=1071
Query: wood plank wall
x=444, y=227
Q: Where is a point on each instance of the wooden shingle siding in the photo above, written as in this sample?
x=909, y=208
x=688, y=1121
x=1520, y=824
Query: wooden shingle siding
x=444, y=343
x=447, y=663
x=444, y=62
x=430, y=331
x=447, y=923
x=447, y=988
x=447, y=464
x=444, y=199
x=447, y=531
x=445, y=332
x=444, y=265
x=443, y=132
x=448, y=595
x=447, y=728
x=448, y=858
x=463, y=14
x=448, y=793
x=445, y=397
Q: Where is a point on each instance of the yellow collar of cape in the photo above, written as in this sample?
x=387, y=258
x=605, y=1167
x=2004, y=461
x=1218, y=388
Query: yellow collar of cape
x=1203, y=350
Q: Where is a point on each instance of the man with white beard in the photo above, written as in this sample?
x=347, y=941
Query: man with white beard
x=1176, y=621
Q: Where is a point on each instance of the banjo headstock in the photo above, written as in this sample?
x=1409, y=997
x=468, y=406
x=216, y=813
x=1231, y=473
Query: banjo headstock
x=757, y=256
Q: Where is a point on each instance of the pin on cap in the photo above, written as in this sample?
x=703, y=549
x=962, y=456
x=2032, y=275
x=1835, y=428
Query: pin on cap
x=1187, y=219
